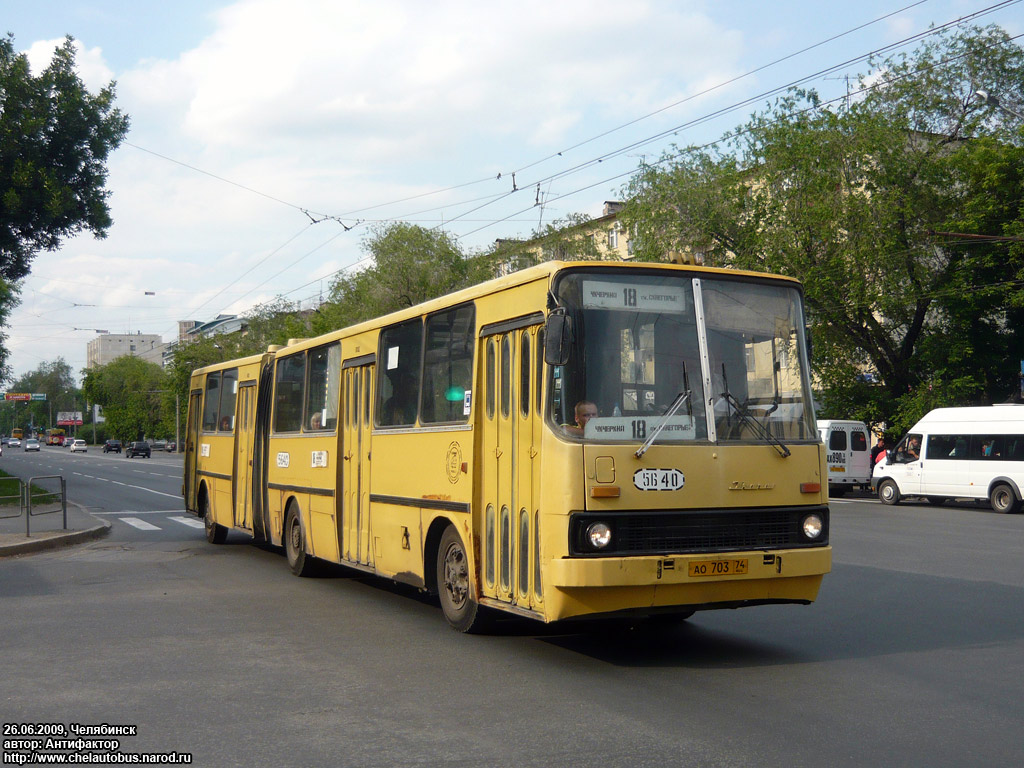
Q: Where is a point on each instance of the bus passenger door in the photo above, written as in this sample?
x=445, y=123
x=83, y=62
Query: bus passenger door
x=510, y=451
x=527, y=467
x=354, y=486
x=244, y=421
x=195, y=415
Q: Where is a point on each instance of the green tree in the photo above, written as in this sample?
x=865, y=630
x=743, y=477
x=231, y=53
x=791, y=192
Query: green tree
x=53, y=379
x=854, y=199
x=131, y=391
x=55, y=137
x=410, y=265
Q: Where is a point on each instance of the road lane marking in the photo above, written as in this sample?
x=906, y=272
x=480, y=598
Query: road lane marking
x=142, y=488
x=138, y=512
x=189, y=521
x=142, y=525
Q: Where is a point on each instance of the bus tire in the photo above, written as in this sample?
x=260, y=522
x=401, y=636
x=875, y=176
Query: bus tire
x=455, y=585
x=295, y=543
x=889, y=492
x=1003, y=499
x=215, y=533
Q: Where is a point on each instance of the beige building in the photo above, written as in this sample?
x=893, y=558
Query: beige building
x=604, y=238
x=110, y=346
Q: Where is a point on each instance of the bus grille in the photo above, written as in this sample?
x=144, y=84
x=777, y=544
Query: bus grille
x=683, y=532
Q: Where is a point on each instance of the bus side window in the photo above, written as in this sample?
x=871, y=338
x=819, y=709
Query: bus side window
x=211, y=402
x=448, y=366
x=399, y=387
x=322, y=388
x=288, y=382
x=228, y=392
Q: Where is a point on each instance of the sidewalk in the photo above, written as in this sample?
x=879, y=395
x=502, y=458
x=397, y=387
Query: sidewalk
x=47, y=531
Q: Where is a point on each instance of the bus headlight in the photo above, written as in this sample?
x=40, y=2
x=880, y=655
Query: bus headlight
x=812, y=526
x=599, y=535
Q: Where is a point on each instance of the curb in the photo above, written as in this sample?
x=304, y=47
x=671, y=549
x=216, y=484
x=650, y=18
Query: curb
x=55, y=542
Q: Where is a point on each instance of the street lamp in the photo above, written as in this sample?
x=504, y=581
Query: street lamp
x=991, y=101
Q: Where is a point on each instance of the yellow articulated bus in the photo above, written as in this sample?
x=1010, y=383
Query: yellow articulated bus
x=572, y=440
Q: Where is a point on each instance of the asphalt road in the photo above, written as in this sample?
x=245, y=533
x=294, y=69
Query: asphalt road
x=913, y=654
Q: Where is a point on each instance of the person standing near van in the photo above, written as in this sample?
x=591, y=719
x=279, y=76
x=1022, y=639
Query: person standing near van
x=878, y=452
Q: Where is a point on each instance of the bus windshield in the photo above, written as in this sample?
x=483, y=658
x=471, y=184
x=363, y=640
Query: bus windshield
x=731, y=351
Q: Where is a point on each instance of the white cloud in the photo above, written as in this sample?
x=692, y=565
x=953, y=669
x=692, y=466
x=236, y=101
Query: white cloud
x=337, y=107
x=89, y=62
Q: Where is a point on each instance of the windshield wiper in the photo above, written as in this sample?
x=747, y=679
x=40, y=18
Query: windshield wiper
x=682, y=397
x=757, y=427
x=745, y=418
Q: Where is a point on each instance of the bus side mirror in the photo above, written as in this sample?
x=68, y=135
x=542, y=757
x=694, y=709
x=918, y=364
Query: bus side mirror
x=557, y=339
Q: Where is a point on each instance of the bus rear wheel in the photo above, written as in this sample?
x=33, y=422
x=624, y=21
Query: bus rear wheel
x=295, y=543
x=455, y=585
x=215, y=534
x=1004, y=500
x=889, y=492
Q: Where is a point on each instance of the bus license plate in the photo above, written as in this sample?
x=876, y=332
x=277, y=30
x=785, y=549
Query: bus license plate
x=718, y=567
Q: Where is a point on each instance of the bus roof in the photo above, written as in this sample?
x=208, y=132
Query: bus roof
x=530, y=274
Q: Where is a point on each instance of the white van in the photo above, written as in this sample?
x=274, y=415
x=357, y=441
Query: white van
x=958, y=453
x=848, y=454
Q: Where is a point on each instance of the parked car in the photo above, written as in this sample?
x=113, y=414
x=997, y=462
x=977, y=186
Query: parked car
x=31, y=444
x=112, y=446
x=138, y=448
x=14, y=442
x=159, y=445
x=79, y=446
x=171, y=446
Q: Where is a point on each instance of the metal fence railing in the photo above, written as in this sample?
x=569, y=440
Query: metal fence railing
x=12, y=497
x=42, y=495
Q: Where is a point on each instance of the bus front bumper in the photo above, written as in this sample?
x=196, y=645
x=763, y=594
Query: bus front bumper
x=691, y=582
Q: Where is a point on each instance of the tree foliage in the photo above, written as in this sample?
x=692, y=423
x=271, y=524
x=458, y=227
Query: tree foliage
x=568, y=239
x=897, y=210
x=55, y=137
x=54, y=379
x=131, y=391
x=410, y=265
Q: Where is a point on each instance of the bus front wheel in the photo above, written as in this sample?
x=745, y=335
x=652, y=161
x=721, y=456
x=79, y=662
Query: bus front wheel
x=455, y=585
x=889, y=492
x=1004, y=500
x=295, y=543
x=215, y=534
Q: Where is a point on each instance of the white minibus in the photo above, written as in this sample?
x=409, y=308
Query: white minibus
x=847, y=454
x=958, y=453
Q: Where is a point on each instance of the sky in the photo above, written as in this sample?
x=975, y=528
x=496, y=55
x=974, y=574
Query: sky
x=269, y=138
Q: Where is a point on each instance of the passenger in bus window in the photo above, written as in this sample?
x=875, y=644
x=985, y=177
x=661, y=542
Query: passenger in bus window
x=986, y=447
x=225, y=424
x=316, y=421
x=584, y=411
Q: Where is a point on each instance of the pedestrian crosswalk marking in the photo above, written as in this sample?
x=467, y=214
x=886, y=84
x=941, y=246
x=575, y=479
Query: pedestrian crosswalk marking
x=189, y=521
x=142, y=525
